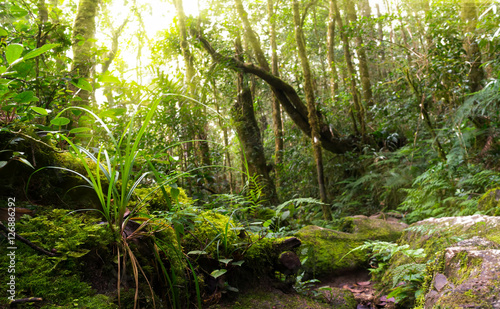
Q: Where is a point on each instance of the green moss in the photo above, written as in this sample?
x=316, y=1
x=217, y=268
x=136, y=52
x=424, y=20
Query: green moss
x=214, y=233
x=468, y=267
x=157, y=201
x=171, y=251
x=326, y=250
x=467, y=299
x=58, y=280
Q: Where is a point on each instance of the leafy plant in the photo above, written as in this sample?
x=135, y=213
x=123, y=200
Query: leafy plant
x=116, y=165
x=407, y=279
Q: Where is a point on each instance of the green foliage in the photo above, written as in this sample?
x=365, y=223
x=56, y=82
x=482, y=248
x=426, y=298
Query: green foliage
x=407, y=279
x=443, y=191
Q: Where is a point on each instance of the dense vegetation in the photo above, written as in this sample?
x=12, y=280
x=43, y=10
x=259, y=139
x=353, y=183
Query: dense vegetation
x=262, y=116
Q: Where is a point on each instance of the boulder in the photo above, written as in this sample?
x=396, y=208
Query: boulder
x=462, y=257
x=327, y=250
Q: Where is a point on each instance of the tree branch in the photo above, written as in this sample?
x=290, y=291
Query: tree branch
x=287, y=96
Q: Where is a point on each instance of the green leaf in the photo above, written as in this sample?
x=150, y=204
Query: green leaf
x=79, y=130
x=239, y=263
x=41, y=111
x=13, y=52
x=25, y=97
x=61, y=121
x=198, y=252
x=174, y=193
x=3, y=32
x=218, y=272
x=2, y=69
x=3, y=163
x=23, y=160
x=39, y=51
x=232, y=289
x=83, y=84
x=77, y=254
x=225, y=261
x=107, y=78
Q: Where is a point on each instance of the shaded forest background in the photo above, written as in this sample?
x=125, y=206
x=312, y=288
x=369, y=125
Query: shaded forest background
x=204, y=144
x=366, y=106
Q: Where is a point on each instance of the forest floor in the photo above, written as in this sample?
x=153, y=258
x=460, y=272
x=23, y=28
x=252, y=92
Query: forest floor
x=270, y=296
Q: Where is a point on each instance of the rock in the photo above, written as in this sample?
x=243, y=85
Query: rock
x=326, y=249
x=474, y=274
x=340, y=298
x=463, y=261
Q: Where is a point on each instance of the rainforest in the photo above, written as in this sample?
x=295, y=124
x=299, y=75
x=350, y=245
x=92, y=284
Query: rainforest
x=249, y=154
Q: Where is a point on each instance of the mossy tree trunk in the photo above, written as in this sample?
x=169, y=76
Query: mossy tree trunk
x=242, y=113
x=82, y=39
x=277, y=125
x=311, y=106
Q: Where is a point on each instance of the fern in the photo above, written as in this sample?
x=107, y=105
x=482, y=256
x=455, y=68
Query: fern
x=405, y=272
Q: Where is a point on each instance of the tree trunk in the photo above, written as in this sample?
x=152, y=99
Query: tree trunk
x=334, y=85
x=277, y=125
x=311, y=106
x=360, y=49
x=199, y=125
x=82, y=39
x=248, y=131
x=358, y=108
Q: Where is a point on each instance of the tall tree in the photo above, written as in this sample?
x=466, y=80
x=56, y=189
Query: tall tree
x=243, y=116
x=311, y=107
x=357, y=110
x=277, y=125
x=360, y=49
x=334, y=84
x=83, y=40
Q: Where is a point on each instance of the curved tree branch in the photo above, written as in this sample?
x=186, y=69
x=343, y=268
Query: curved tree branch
x=287, y=96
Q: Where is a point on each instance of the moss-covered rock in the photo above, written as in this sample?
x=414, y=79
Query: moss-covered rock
x=462, y=260
x=82, y=246
x=214, y=233
x=326, y=249
x=339, y=298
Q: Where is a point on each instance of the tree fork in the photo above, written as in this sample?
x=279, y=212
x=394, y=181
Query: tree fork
x=288, y=98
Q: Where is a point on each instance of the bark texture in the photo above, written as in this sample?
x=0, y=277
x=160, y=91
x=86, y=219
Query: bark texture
x=334, y=84
x=311, y=106
x=357, y=109
x=248, y=131
x=191, y=80
x=277, y=126
x=82, y=39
